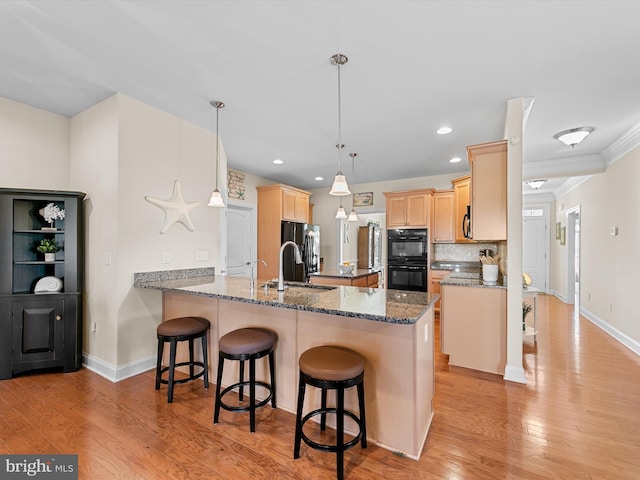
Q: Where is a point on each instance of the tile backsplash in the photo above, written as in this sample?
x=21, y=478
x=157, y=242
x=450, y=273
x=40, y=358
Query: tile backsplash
x=461, y=252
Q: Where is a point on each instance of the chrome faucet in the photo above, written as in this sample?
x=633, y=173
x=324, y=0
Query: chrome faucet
x=253, y=265
x=298, y=260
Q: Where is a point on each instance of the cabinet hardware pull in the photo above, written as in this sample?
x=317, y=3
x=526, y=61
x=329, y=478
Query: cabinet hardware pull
x=58, y=317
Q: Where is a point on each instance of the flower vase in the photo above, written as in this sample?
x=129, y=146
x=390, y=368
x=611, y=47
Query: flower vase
x=50, y=257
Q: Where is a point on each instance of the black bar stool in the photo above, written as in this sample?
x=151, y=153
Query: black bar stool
x=246, y=344
x=180, y=330
x=331, y=368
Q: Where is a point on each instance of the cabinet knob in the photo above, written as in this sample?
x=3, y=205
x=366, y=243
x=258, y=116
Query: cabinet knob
x=58, y=317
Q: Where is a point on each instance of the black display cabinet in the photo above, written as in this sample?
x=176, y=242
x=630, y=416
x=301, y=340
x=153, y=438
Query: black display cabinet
x=40, y=300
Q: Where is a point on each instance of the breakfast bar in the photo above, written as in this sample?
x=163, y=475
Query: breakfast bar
x=392, y=329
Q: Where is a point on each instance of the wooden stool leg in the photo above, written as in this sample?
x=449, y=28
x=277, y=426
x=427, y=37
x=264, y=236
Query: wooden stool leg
x=298, y=436
x=323, y=406
x=340, y=432
x=241, y=389
x=172, y=368
x=252, y=394
x=159, y=362
x=363, y=417
x=216, y=413
x=191, y=357
x=272, y=369
x=205, y=360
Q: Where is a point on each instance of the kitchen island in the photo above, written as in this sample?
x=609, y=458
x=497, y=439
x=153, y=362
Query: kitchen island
x=361, y=277
x=392, y=329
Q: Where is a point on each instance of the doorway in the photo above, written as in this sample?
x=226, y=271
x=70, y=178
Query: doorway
x=241, y=239
x=573, y=257
x=535, y=245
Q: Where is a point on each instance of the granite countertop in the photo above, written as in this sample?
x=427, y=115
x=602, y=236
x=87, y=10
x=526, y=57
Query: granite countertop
x=471, y=279
x=377, y=304
x=357, y=273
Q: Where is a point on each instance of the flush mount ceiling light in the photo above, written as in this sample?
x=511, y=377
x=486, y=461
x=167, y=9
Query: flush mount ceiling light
x=216, y=197
x=352, y=214
x=573, y=136
x=536, y=184
x=339, y=187
x=444, y=130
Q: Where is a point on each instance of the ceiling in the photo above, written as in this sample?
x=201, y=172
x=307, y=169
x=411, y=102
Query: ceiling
x=413, y=67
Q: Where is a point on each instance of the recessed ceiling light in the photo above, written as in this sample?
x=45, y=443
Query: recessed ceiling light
x=277, y=161
x=455, y=160
x=319, y=179
x=444, y=130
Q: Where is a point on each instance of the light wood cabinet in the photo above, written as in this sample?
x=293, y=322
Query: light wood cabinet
x=436, y=276
x=442, y=219
x=410, y=208
x=461, y=200
x=488, y=190
x=277, y=203
x=473, y=327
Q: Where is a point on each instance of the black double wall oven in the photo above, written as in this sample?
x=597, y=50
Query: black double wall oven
x=407, y=259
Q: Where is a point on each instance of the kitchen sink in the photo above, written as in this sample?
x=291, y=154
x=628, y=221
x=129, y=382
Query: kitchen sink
x=310, y=286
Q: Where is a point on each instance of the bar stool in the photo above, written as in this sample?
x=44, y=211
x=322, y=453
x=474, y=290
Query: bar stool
x=242, y=345
x=331, y=368
x=179, y=330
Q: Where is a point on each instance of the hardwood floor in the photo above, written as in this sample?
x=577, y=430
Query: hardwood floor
x=578, y=417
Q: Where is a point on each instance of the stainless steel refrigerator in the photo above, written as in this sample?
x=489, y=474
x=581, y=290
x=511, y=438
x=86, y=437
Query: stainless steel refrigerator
x=307, y=237
x=369, y=247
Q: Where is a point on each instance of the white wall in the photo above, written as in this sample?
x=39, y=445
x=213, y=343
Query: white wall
x=34, y=147
x=610, y=264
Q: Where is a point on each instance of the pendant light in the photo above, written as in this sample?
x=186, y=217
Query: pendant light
x=352, y=215
x=216, y=198
x=339, y=187
x=341, y=214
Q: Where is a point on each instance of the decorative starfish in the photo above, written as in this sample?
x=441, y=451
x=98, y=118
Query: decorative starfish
x=176, y=209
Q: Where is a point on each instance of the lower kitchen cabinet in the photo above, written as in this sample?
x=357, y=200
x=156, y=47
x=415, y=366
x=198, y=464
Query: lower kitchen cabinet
x=473, y=327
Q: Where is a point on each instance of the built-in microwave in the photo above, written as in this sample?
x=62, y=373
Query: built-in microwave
x=407, y=246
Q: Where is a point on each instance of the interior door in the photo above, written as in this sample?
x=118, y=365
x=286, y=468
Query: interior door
x=239, y=240
x=534, y=251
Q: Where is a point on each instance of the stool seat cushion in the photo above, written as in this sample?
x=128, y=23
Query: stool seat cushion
x=183, y=326
x=246, y=341
x=331, y=363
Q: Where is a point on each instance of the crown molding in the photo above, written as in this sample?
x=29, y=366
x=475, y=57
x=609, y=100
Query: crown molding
x=564, y=167
x=622, y=145
x=570, y=184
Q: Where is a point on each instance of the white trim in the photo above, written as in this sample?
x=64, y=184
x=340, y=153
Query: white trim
x=625, y=340
x=570, y=184
x=115, y=374
x=514, y=374
x=564, y=167
x=622, y=145
x=558, y=295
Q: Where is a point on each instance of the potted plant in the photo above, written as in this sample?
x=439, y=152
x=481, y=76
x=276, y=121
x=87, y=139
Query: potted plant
x=49, y=246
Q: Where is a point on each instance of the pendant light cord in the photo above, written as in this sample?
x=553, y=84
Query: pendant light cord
x=339, y=124
x=217, y=147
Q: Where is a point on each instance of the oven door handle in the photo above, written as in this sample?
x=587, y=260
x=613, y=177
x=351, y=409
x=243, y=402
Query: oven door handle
x=406, y=267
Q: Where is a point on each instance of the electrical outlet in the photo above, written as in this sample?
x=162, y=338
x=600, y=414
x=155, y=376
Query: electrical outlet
x=426, y=333
x=166, y=257
x=107, y=259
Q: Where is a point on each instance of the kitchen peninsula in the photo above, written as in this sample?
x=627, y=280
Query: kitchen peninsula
x=392, y=329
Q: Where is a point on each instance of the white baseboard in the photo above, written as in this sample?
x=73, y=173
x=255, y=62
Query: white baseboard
x=627, y=341
x=114, y=373
x=558, y=295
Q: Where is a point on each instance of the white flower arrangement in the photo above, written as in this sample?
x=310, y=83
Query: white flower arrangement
x=51, y=213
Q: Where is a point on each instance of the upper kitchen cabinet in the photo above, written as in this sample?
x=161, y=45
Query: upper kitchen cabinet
x=277, y=203
x=488, y=190
x=442, y=220
x=409, y=209
x=461, y=208
x=41, y=281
